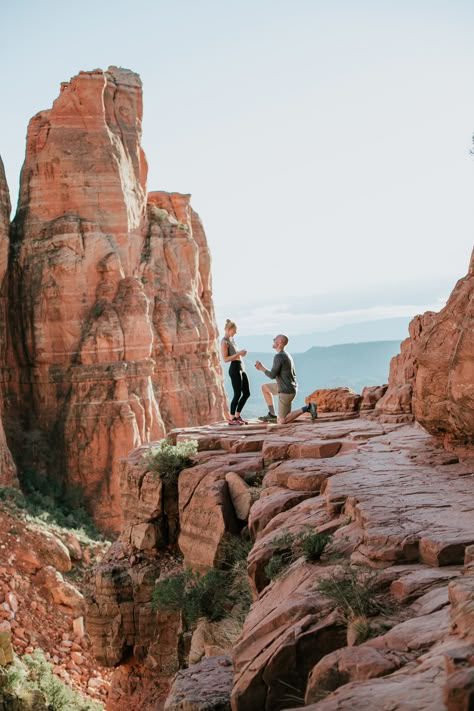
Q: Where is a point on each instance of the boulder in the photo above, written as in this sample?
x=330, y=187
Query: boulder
x=206, y=516
x=371, y=395
x=289, y=621
x=205, y=686
x=240, y=495
x=335, y=400
x=63, y=593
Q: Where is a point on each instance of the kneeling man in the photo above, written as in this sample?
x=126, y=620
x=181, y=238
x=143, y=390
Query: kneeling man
x=283, y=372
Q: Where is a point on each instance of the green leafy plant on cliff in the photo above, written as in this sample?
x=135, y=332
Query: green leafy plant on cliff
x=193, y=594
x=51, y=509
x=214, y=595
x=289, y=547
x=33, y=673
x=356, y=592
x=167, y=460
x=54, y=502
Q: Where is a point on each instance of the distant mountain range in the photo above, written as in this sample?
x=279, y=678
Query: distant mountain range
x=388, y=329
x=352, y=365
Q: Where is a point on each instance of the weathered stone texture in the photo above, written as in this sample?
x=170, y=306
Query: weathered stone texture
x=203, y=687
x=120, y=618
x=112, y=329
x=8, y=475
x=432, y=379
x=177, y=280
x=335, y=400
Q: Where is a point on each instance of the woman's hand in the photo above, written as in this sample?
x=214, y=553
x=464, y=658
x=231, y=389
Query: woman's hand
x=243, y=353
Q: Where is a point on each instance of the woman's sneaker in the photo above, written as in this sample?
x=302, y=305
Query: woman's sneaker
x=235, y=421
x=242, y=422
x=313, y=410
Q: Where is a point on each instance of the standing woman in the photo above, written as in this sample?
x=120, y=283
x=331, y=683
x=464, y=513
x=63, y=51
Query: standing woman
x=238, y=376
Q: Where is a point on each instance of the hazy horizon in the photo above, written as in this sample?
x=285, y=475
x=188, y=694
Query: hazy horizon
x=326, y=145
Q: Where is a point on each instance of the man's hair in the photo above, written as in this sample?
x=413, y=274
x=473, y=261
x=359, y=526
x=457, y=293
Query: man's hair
x=283, y=339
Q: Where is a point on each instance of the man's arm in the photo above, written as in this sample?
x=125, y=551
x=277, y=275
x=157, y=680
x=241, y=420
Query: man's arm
x=276, y=367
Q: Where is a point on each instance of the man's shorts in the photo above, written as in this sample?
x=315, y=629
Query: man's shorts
x=284, y=400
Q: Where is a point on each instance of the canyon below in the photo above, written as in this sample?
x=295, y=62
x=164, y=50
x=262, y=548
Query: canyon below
x=342, y=548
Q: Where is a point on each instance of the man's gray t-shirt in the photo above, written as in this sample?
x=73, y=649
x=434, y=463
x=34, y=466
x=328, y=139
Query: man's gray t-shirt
x=283, y=371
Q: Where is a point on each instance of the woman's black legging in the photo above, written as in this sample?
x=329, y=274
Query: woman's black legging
x=240, y=385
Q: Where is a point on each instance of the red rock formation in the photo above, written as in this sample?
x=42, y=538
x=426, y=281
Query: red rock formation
x=112, y=322
x=371, y=395
x=177, y=280
x=206, y=685
x=335, y=400
x=7, y=467
x=5, y=208
x=396, y=404
x=370, y=488
x=433, y=376
x=443, y=398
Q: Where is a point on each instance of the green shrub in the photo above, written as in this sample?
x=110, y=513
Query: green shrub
x=167, y=459
x=277, y=564
x=234, y=551
x=355, y=590
x=213, y=595
x=13, y=676
x=13, y=498
x=51, y=501
x=193, y=594
x=313, y=545
x=289, y=547
x=34, y=672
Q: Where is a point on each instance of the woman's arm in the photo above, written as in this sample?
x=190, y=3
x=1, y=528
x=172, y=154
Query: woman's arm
x=225, y=353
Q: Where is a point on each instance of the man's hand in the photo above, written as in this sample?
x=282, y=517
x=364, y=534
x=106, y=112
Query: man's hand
x=260, y=366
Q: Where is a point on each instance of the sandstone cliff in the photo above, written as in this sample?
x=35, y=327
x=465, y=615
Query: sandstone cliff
x=112, y=336
x=7, y=467
x=432, y=379
x=392, y=507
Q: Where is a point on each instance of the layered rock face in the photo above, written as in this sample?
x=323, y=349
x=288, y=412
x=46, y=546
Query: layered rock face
x=7, y=466
x=433, y=376
x=177, y=280
x=443, y=399
x=100, y=288
x=392, y=509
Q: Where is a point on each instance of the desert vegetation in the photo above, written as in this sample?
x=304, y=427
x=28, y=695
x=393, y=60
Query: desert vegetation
x=167, y=460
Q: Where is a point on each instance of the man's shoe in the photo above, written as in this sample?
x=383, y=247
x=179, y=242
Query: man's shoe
x=313, y=410
x=268, y=418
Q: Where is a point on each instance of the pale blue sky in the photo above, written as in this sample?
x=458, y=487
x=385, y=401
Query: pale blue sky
x=326, y=144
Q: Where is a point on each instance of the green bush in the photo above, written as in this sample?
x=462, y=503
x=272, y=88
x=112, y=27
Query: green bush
x=167, y=459
x=289, y=547
x=213, y=595
x=235, y=551
x=356, y=591
x=194, y=595
x=13, y=498
x=277, y=564
x=313, y=545
x=53, y=502
x=235, y=554
x=34, y=672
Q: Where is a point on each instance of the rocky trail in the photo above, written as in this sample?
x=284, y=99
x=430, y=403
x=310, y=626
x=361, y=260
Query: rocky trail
x=398, y=512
